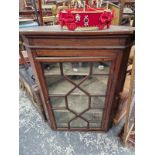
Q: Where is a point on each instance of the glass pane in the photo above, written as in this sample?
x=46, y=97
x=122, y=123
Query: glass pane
x=57, y=102
x=62, y=125
x=96, y=85
x=101, y=67
x=51, y=69
x=78, y=123
x=58, y=85
x=97, y=102
x=95, y=125
x=76, y=68
x=76, y=78
x=63, y=116
x=77, y=91
x=93, y=115
x=78, y=103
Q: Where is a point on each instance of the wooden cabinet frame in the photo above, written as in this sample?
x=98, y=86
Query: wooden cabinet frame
x=110, y=46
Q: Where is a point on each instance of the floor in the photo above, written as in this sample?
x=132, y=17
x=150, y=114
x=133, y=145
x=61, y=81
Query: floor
x=36, y=138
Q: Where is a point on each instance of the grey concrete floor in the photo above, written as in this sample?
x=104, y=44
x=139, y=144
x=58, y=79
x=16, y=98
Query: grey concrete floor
x=36, y=137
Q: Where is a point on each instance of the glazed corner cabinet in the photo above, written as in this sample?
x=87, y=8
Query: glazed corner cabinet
x=80, y=73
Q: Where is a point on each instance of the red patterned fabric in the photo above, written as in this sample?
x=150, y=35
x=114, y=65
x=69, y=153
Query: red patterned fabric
x=88, y=18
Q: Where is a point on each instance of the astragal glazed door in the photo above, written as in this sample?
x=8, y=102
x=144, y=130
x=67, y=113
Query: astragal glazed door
x=78, y=91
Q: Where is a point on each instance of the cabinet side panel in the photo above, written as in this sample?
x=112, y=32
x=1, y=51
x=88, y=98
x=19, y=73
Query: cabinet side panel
x=112, y=95
x=120, y=83
x=38, y=75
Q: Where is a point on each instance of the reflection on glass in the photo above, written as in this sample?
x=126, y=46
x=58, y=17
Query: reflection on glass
x=76, y=78
x=97, y=102
x=78, y=123
x=62, y=125
x=101, y=67
x=63, y=116
x=93, y=115
x=77, y=91
x=78, y=103
x=57, y=102
x=51, y=69
x=58, y=85
x=76, y=68
x=95, y=125
x=95, y=84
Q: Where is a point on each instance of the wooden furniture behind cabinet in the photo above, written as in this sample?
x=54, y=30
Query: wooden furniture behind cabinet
x=80, y=73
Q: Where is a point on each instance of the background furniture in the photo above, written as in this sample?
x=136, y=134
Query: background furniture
x=80, y=74
x=28, y=84
x=129, y=127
